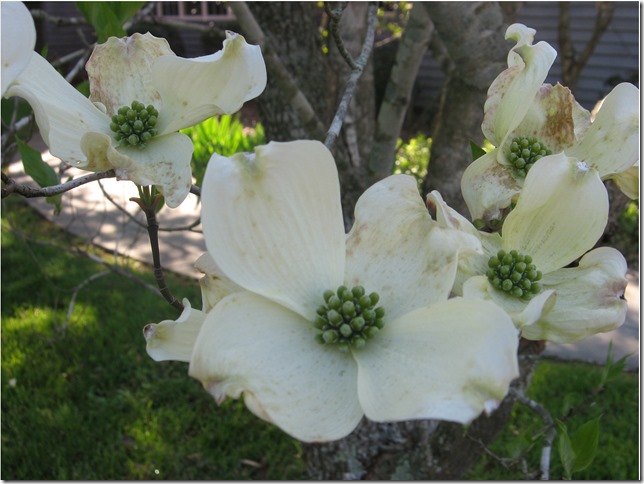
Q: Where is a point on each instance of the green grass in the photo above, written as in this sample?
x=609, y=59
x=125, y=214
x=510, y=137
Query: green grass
x=86, y=402
x=82, y=400
x=561, y=386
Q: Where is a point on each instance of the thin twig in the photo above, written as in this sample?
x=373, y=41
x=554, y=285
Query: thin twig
x=153, y=232
x=72, y=302
x=78, y=66
x=361, y=62
x=334, y=25
x=67, y=58
x=133, y=218
x=76, y=251
x=59, y=21
x=30, y=192
x=550, y=434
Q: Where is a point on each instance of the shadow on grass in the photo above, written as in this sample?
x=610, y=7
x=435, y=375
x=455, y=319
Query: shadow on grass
x=82, y=400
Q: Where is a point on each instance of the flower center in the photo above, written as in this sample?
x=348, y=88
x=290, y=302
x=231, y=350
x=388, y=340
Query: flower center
x=134, y=125
x=514, y=274
x=524, y=152
x=348, y=318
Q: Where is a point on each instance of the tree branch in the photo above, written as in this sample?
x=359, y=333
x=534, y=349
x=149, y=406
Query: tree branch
x=352, y=82
x=29, y=192
x=391, y=115
x=571, y=66
x=149, y=208
x=334, y=21
x=550, y=434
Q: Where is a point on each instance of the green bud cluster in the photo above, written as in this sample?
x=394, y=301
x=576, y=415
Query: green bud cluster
x=514, y=274
x=524, y=152
x=348, y=318
x=135, y=125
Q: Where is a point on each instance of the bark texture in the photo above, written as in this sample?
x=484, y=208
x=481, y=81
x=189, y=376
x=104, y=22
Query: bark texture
x=415, y=450
x=291, y=33
x=391, y=114
x=472, y=37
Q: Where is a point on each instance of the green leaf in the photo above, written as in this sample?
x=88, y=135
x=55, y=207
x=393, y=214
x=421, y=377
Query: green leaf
x=584, y=444
x=108, y=18
x=41, y=172
x=612, y=369
x=566, y=452
x=477, y=151
x=35, y=167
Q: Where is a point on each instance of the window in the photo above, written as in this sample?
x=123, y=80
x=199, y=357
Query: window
x=194, y=10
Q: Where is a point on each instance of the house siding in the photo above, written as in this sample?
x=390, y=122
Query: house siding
x=615, y=57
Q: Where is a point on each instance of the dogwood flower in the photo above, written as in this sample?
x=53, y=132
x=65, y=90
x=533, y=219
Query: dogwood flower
x=560, y=214
x=527, y=120
x=18, y=40
x=329, y=327
x=141, y=94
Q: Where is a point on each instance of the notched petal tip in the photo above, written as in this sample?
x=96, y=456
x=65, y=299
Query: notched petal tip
x=149, y=330
x=490, y=406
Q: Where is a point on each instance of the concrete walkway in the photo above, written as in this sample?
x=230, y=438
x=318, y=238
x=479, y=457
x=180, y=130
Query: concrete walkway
x=89, y=214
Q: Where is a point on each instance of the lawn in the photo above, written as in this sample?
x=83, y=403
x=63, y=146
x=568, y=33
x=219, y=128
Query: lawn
x=82, y=400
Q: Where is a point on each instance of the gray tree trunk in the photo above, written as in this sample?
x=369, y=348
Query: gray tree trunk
x=472, y=37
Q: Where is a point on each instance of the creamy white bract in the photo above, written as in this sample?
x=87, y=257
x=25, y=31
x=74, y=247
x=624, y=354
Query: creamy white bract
x=520, y=105
x=560, y=215
x=142, y=69
x=273, y=225
x=18, y=41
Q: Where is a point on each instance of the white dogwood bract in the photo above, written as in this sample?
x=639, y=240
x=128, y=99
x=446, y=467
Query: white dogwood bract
x=519, y=106
x=174, y=340
x=143, y=69
x=273, y=225
x=559, y=216
x=18, y=41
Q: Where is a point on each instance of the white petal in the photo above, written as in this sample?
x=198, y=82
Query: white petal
x=523, y=313
x=174, y=340
x=195, y=89
x=272, y=221
x=589, y=299
x=488, y=187
x=512, y=92
x=445, y=362
x=555, y=118
x=471, y=263
x=253, y=346
x=560, y=214
x=120, y=71
x=164, y=162
x=214, y=284
x=611, y=144
x=18, y=40
x=63, y=114
x=629, y=181
x=398, y=251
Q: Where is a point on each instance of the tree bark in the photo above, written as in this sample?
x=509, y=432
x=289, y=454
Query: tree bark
x=316, y=79
x=391, y=115
x=415, y=450
x=472, y=34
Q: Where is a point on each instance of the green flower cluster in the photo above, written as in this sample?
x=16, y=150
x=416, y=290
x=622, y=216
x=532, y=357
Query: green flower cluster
x=135, y=125
x=524, y=152
x=514, y=274
x=348, y=318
